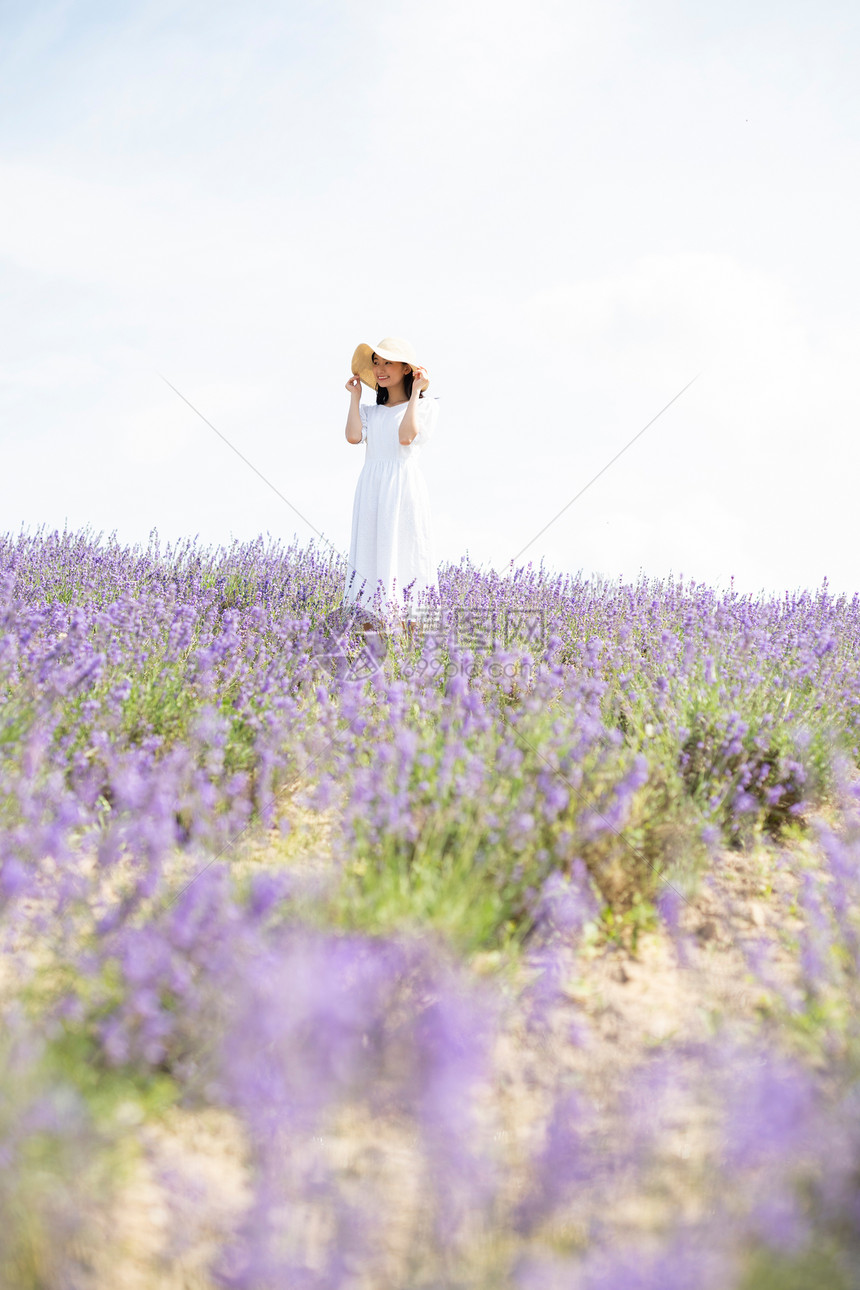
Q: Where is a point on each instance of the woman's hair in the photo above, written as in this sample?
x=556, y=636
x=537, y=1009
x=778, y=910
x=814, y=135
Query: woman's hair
x=382, y=395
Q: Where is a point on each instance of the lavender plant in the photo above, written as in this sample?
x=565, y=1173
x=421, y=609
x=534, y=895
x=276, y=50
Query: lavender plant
x=523, y=783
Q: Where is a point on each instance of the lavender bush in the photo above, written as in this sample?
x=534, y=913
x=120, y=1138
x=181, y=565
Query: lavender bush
x=547, y=765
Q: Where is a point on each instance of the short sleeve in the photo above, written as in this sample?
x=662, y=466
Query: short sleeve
x=362, y=412
x=428, y=413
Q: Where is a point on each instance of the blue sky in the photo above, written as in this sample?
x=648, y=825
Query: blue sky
x=570, y=211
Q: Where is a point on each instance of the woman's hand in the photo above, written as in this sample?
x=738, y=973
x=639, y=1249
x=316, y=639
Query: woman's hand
x=353, y=385
x=420, y=380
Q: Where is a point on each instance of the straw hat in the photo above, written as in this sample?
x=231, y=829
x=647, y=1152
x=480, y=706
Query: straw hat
x=392, y=347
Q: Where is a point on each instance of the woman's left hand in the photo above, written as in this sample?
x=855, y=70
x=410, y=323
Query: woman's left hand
x=420, y=379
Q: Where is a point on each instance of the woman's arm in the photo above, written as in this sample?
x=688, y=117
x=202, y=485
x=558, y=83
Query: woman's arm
x=409, y=424
x=353, y=421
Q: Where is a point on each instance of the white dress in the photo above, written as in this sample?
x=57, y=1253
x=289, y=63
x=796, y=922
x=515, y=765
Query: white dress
x=392, y=535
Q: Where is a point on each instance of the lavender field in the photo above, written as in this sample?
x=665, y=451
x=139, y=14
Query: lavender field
x=520, y=952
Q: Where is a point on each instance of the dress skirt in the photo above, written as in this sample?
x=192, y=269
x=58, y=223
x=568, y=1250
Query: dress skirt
x=392, y=560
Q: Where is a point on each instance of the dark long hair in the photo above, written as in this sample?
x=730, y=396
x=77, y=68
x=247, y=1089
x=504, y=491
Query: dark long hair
x=382, y=395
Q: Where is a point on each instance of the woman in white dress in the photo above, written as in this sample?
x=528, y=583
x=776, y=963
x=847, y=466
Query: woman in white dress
x=391, y=556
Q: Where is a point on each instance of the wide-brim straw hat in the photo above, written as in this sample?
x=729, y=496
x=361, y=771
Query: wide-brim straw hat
x=393, y=348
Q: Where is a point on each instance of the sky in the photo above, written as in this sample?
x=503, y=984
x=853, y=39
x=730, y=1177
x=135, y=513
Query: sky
x=571, y=210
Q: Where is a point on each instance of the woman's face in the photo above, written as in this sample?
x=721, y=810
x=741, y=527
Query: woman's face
x=389, y=373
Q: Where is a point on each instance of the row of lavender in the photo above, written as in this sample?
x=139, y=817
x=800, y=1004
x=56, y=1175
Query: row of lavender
x=383, y=1142
x=189, y=689
x=544, y=753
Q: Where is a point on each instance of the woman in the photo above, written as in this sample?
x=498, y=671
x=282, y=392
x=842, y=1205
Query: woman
x=391, y=555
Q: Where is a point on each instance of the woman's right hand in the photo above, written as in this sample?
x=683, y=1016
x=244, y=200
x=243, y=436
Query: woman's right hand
x=353, y=385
